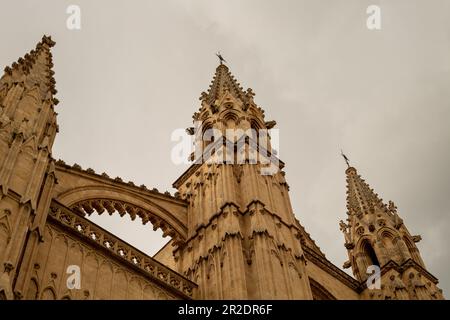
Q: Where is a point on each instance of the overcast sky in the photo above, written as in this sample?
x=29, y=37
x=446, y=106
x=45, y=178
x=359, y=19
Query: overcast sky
x=135, y=70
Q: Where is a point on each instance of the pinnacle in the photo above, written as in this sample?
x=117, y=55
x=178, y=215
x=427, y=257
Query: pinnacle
x=222, y=82
x=35, y=69
x=360, y=197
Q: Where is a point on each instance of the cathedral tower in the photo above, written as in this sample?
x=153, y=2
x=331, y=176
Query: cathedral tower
x=243, y=239
x=375, y=235
x=234, y=233
x=27, y=131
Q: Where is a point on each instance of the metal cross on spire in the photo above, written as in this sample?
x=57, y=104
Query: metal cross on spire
x=221, y=59
x=347, y=161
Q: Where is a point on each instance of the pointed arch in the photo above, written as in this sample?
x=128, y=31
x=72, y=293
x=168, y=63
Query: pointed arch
x=369, y=251
x=391, y=246
x=413, y=251
x=256, y=123
x=84, y=191
x=67, y=295
x=86, y=200
x=5, y=227
x=230, y=114
x=211, y=275
x=387, y=238
x=33, y=290
x=48, y=293
x=30, y=145
x=365, y=256
x=386, y=232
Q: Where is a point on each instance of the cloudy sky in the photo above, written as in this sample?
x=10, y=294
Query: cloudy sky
x=135, y=70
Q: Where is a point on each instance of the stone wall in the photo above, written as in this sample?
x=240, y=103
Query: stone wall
x=109, y=267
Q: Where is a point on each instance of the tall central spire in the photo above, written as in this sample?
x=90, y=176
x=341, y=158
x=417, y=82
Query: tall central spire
x=227, y=109
x=223, y=82
x=239, y=213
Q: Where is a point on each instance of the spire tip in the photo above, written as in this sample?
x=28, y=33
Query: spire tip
x=347, y=161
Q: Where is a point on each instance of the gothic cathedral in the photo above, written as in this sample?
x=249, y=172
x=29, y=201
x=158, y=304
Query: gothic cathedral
x=233, y=232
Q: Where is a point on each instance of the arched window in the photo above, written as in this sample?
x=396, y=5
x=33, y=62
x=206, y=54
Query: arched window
x=371, y=256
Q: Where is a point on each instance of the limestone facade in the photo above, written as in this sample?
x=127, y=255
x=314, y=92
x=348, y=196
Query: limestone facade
x=233, y=232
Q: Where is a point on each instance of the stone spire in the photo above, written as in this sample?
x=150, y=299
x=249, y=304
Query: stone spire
x=375, y=236
x=33, y=69
x=27, y=116
x=361, y=198
x=27, y=131
x=223, y=82
x=226, y=106
x=239, y=210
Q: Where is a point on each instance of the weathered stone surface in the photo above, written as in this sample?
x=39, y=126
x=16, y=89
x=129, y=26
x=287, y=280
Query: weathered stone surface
x=234, y=234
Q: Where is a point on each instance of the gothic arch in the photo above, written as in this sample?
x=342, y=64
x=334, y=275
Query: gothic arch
x=33, y=290
x=67, y=295
x=390, y=242
x=230, y=114
x=255, y=125
x=48, y=294
x=85, y=191
x=362, y=242
x=257, y=116
x=87, y=199
x=413, y=251
x=387, y=237
x=387, y=232
x=370, y=254
x=211, y=276
x=206, y=124
x=365, y=256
